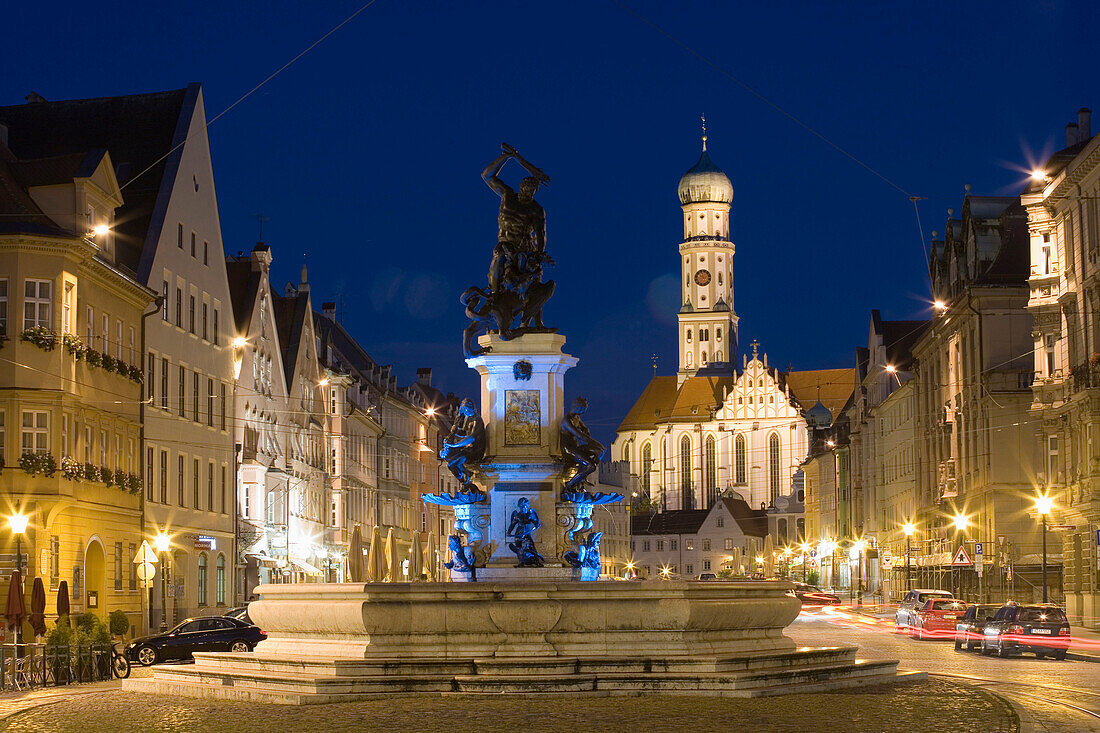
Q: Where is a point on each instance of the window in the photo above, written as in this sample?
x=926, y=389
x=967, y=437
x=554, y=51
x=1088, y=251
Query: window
x=706, y=545
x=781, y=530
x=195, y=482
x=206, y=253
x=205, y=308
x=133, y=354
x=132, y=585
x=89, y=327
x=3, y=306
x=210, y=487
x=210, y=402
x=183, y=392
x=720, y=522
x=151, y=378
x=36, y=431
x=37, y=297
x=118, y=339
x=739, y=458
x=179, y=236
x=149, y=474
x=773, y=466
x=118, y=566
x=645, y=546
x=65, y=451
x=195, y=381
x=647, y=466
x=78, y=592
x=164, y=300
x=191, y=313
x=105, y=333
x=685, y=473
x=222, y=504
x=179, y=479
x=711, y=475
x=215, y=326
x=164, y=477
x=222, y=401
x=220, y=588
x=706, y=565
x=729, y=543
x=1048, y=343
x=660, y=545
x=672, y=544
x=1052, y=456
x=690, y=568
x=202, y=579
x=67, y=325
x=87, y=443
x=164, y=382
x=192, y=244
x=179, y=307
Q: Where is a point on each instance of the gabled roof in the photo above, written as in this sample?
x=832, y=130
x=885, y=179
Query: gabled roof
x=290, y=317
x=18, y=211
x=832, y=387
x=655, y=403
x=679, y=521
x=138, y=130
x=244, y=287
x=751, y=521
x=331, y=331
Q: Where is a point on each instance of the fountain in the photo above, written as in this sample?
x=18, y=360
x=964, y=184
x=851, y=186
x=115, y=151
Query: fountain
x=525, y=610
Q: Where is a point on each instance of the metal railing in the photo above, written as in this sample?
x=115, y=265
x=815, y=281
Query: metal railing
x=25, y=666
x=1085, y=375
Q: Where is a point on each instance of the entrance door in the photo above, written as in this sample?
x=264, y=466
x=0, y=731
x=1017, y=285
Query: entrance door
x=95, y=579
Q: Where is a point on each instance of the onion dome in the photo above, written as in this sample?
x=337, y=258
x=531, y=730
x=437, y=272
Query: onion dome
x=705, y=183
x=819, y=416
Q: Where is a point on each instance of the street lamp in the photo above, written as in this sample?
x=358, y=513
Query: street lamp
x=908, y=529
x=1043, y=505
x=805, y=547
x=162, y=542
x=961, y=523
x=18, y=524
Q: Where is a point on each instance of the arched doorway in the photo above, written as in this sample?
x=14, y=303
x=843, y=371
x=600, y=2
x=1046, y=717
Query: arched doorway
x=95, y=578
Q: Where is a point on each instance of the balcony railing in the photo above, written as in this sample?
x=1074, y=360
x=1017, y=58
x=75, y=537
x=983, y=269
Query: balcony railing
x=1085, y=375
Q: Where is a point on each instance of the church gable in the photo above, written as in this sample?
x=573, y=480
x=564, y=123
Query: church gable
x=757, y=395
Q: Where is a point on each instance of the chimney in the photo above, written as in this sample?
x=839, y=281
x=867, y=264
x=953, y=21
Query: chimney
x=424, y=376
x=1084, y=124
x=260, y=257
x=34, y=98
x=1071, y=134
x=329, y=311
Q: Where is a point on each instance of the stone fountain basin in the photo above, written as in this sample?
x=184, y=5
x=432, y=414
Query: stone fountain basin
x=636, y=619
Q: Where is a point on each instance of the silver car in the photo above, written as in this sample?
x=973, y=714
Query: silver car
x=906, y=615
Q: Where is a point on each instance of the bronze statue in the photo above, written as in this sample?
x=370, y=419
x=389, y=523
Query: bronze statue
x=466, y=443
x=513, y=303
x=522, y=524
x=579, y=449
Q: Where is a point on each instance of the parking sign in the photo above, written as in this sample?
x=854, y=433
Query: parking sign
x=978, y=548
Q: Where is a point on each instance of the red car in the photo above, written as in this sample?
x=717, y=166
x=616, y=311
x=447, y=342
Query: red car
x=813, y=596
x=937, y=618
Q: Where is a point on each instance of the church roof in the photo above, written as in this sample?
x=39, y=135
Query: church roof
x=664, y=401
x=831, y=386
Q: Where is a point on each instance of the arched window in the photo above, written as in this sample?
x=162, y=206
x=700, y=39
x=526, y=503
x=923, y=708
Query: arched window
x=718, y=331
x=689, y=358
x=626, y=452
x=703, y=360
x=685, y=473
x=220, y=597
x=781, y=525
x=647, y=465
x=718, y=356
x=711, y=474
x=689, y=335
x=202, y=579
x=773, y=466
x=739, y=458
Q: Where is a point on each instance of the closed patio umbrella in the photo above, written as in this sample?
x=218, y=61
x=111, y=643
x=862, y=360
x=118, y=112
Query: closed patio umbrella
x=429, y=559
x=63, y=603
x=37, y=618
x=15, y=610
x=355, y=557
x=392, y=569
x=769, y=560
x=416, y=557
x=374, y=557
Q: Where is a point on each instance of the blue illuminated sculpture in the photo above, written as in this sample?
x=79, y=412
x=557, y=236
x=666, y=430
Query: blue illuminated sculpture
x=466, y=442
x=523, y=523
x=586, y=558
x=462, y=557
x=580, y=451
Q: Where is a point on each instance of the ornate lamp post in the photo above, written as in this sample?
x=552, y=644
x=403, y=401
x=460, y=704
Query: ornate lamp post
x=1043, y=505
x=162, y=542
x=961, y=522
x=805, y=547
x=18, y=524
x=908, y=529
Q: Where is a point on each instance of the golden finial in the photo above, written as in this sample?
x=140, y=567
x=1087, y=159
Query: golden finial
x=704, y=119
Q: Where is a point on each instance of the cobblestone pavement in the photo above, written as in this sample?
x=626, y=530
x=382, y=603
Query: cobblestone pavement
x=953, y=706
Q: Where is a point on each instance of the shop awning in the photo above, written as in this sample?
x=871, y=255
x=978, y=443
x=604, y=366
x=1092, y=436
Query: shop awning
x=262, y=560
x=301, y=566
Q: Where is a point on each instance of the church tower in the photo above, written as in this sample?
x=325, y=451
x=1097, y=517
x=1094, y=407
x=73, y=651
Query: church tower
x=707, y=322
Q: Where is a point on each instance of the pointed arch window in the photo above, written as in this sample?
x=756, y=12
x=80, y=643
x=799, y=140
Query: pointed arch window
x=711, y=473
x=739, y=458
x=647, y=466
x=773, y=466
x=685, y=473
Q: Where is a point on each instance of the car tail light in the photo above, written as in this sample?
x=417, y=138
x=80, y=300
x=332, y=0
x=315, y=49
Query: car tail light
x=263, y=633
x=1064, y=631
x=1015, y=629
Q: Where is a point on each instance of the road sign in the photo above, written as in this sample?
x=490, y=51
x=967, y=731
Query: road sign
x=1062, y=527
x=145, y=553
x=979, y=560
x=813, y=553
x=978, y=548
x=813, y=563
x=961, y=558
x=146, y=571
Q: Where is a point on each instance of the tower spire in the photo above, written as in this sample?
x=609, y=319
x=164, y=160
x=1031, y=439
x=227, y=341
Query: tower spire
x=704, y=119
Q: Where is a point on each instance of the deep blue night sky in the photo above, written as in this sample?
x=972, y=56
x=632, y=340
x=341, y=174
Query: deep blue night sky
x=366, y=153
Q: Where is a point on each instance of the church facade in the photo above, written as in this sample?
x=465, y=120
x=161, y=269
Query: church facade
x=718, y=428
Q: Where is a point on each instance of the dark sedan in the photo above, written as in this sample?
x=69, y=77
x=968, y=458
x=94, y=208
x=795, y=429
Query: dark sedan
x=207, y=634
x=1040, y=629
x=970, y=629
x=813, y=596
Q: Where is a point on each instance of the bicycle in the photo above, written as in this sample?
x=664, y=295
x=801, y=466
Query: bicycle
x=120, y=665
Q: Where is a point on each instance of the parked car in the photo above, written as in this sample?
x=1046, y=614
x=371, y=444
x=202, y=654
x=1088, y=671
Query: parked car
x=937, y=618
x=240, y=613
x=707, y=576
x=1041, y=629
x=811, y=595
x=971, y=627
x=207, y=634
x=905, y=616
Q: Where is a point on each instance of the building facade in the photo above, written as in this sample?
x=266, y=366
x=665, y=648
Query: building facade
x=1064, y=296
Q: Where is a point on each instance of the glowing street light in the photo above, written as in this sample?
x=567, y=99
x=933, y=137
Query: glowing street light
x=100, y=229
x=1039, y=176
x=960, y=521
x=239, y=342
x=939, y=306
x=162, y=542
x=908, y=528
x=1043, y=506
